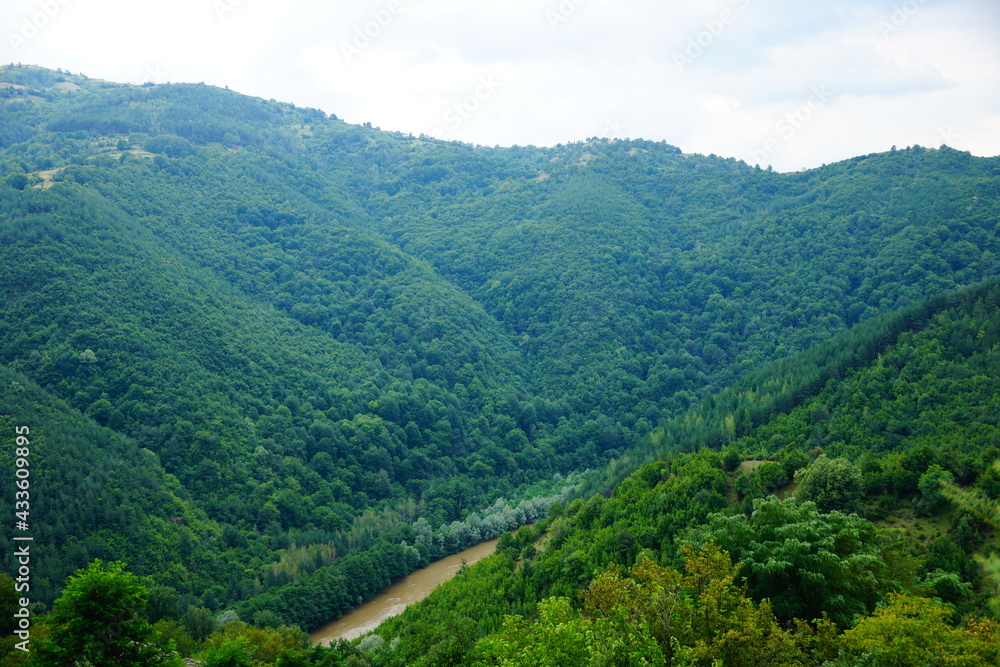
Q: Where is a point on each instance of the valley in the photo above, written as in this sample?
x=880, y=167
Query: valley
x=274, y=362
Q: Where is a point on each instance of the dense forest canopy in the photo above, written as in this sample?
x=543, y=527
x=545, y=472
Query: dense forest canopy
x=273, y=361
x=693, y=558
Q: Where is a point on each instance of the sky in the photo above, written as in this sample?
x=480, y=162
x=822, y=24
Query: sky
x=792, y=84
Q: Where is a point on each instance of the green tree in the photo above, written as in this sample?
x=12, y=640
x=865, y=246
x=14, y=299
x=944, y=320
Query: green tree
x=654, y=616
x=726, y=626
x=231, y=653
x=17, y=181
x=560, y=637
x=8, y=605
x=198, y=622
x=833, y=484
x=239, y=643
x=266, y=619
x=987, y=510
x=916, y=631
x=809, y=563
x=162, y=603
x=930, y=485
x=99, y=618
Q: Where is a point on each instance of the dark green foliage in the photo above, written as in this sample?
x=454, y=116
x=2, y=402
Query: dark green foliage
x=198, y=622
x=274, y=360
x=930, y=486
x=928, y=402
x=162, y=602
x=266, y=619
x=334, y=589
x=807, y=562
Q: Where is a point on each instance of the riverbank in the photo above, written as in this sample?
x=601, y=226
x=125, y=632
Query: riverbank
x=395, y=598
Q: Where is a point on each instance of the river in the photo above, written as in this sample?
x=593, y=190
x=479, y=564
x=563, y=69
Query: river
x=397, y=597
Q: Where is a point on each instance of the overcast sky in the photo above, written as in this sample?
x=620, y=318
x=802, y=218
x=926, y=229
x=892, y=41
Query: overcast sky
x=787, y=83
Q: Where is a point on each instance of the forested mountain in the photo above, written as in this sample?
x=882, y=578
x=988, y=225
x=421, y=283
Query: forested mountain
x=692, y=560
x=266, y=355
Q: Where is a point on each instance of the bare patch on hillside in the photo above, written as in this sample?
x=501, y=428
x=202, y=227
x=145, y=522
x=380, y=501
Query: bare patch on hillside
x=46, y=176
x=750, y=466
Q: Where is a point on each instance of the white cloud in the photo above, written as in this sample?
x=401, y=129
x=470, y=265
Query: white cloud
x=725, y=76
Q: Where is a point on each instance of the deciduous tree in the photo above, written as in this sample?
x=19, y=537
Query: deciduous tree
x=100, y=619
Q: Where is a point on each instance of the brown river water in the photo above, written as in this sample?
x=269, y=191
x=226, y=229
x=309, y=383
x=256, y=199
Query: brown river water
x=397, y=597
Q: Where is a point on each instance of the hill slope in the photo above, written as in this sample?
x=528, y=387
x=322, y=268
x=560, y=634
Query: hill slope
x=326, y=333
x=924, y=408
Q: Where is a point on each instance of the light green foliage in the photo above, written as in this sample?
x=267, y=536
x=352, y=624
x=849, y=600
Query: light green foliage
x=917, y=631
x=725, y=625
x=236, y=642
x=371, y=643
x=832, y=484
x=656, y=616
x=99, y=618
x=171, y=630
x=989, y=511
x=229, y=653
x=561, y=638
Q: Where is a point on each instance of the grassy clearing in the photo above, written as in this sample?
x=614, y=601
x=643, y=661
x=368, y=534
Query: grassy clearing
x=47, y=178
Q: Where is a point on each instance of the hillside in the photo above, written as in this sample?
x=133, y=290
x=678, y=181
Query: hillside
x=314, y=342
x=604, y=581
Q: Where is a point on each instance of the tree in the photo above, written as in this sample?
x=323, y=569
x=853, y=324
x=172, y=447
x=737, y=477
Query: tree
x=238, y=644
x=17, y=181
x=8, y=605
x=654, y=616
x=915, y=631
x=833, y=484
x=727, y=627
x=930, y=486
x=807, y=562
x=231, y=653
x=987, y=510
x=266, y=619
x=198, y=621
x=560, y=637
x=162, y=603
x=99, y=618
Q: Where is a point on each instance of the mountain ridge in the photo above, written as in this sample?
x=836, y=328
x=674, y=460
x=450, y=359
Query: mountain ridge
x=325, y=331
